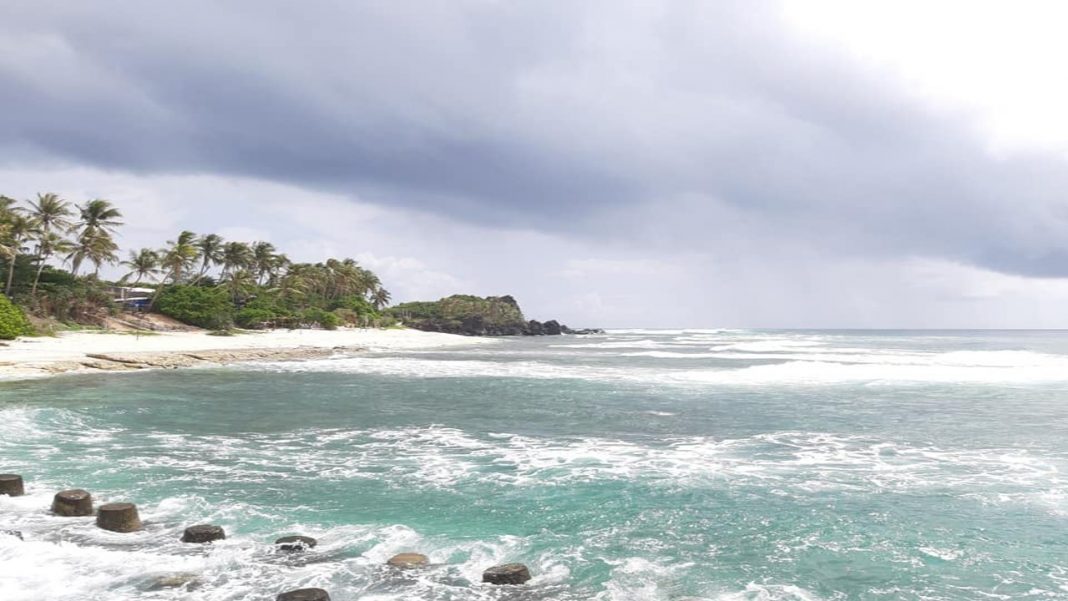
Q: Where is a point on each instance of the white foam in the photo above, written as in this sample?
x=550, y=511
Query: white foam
x=979, y=367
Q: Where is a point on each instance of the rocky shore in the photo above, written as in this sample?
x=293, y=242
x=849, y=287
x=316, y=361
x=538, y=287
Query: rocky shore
x=175, y=360
x=115, y=352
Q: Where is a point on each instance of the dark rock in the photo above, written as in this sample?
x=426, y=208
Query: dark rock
x=118, y=517
x=305, y=594
x=295, y=543
x=512, y=573
x=73, y=503
x=534, y=328
x=407, y=561
x=203, y=533
x=582, y=332
x=11, y=485
x=14, y=533
x=552, y=328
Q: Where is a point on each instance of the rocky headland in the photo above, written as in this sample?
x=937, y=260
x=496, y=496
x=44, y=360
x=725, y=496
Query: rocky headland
x=478, y=316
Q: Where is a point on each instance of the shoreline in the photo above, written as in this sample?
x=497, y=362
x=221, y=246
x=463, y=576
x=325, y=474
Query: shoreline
x=96, y=352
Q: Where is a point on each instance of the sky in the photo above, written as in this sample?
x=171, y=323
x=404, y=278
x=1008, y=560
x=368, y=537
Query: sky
x=794, y=163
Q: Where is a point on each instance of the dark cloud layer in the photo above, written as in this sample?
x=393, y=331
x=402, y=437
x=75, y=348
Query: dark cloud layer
x=677, y=126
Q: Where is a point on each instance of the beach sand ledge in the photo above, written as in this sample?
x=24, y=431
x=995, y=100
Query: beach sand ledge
x=84, y=352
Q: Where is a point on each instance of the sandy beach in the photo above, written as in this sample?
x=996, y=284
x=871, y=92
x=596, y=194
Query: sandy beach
x=78, y=352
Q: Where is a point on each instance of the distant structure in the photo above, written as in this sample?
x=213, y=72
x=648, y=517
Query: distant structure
x=130, y=298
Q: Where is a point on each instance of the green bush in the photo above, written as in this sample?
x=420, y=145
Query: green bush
x=13, y=322
x=356, y=304
x=195, y=305
x=253, y=319
x=328, y=321
x=347, y=316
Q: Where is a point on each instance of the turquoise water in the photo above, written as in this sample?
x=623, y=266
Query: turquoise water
x=637, y=465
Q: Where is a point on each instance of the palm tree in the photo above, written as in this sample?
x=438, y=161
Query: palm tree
x=97, y=246
x=180, y=256
x=48, y=244
x=236, y=255
x=143, y=263
x=99, y=214
x=98, y=221
x=18, y=231
x=263, y=260
x=240, y=283
x=7, y=204
x=380, y=298
x=51, y=212
x=211, y=252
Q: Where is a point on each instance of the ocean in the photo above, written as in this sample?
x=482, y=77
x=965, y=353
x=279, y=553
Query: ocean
x=637, y=465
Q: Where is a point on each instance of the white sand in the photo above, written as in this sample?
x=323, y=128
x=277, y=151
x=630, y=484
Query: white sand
x=33, y=357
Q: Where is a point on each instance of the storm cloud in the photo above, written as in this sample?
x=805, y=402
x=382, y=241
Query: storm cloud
x=712, y=131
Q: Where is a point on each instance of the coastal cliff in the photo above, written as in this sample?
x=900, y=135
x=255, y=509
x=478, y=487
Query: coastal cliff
x=477, y=316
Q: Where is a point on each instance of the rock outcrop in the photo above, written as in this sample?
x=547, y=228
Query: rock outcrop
x=203, y=533
x=294, y=544
x=408, y=561
x=477, y=316
x=511, y=573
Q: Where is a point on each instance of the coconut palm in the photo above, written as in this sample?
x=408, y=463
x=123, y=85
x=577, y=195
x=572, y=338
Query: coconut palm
x=143, y=263
x=380, y=298
x=236, y=255
x=51, y=213
x=19, y=228
x=48, y=245
x=99, y=219
x=99, y=214
x=240, y=283
x=264, y=260
x=211, y=252
x=97, y=246
x=7, y=204
x=180, y=256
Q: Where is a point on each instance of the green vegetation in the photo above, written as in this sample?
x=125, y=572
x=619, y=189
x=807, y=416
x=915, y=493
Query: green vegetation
x=462, y=313
x=47, y=244
x=13, y=322
x=196, y=305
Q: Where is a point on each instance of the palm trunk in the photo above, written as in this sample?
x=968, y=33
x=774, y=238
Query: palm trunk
x=10, y=275
x=37, y=277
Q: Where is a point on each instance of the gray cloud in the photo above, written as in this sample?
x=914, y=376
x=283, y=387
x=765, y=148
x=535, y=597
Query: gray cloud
x=686, y=127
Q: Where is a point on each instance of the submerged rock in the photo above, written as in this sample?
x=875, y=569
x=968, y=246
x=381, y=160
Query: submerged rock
x=203, y=533
x=294, y=544
x=73, y=503
x=511, y=573
x=11, y=485
x=305, y=594
x=118, y=517
x=408, y=561
x=175, y=580
x=14, y=533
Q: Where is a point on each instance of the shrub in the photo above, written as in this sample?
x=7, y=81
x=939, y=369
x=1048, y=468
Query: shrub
x=204, y=307
x=315, y=315
x=356, y=304
x=329, y=321
x=347, y=316
x=13, y=322
x=253, y=319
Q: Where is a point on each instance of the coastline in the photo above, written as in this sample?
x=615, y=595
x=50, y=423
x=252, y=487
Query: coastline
x=92, y=352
